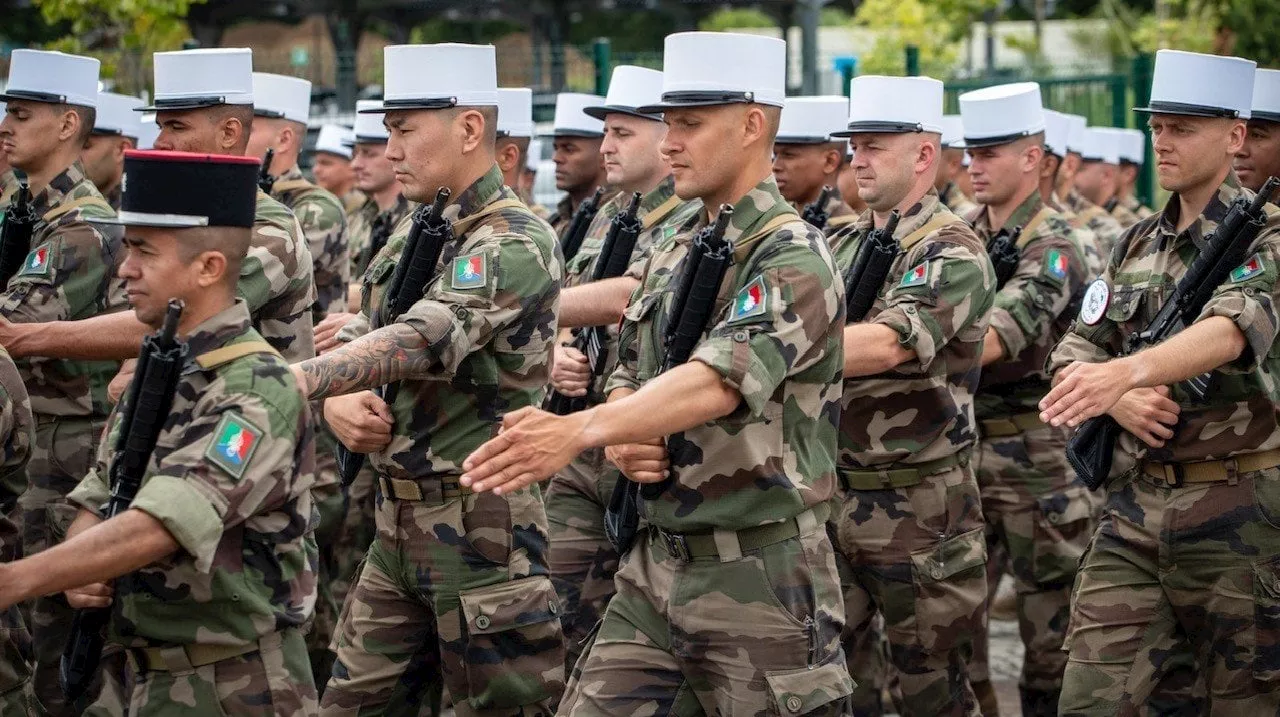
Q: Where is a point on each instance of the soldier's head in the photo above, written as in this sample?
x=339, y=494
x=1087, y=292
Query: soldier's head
x=281, y=108
x=1197, y=113
x=1259, y=158
x=895, y=127
x=331, y=159
x=847, y=183
x=204, y=100
x=1098, y=177
x=632, y=160
x=1004, y=136
x=806, y=157
x=442, y=126
x=51, y=109
x=529, y=171
x=373, y=172
x=515, y=129
x=1133, y=152
x=115, y=130
x=576, y=139
x=722, y=97
x=188, y=220
x=951, y=163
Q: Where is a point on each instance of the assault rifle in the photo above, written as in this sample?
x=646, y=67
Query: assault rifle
x=816, y=214
x=869, y=268
x=578, y=226
x=15, y=234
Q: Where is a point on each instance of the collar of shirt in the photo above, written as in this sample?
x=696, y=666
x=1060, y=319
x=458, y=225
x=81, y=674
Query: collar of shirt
x=665, y=190
x=914, y=218
x=1023, y=214
x=218, y=330
x=756, y=208
x=1213, y=214
x=59, y=188
x=484, y=191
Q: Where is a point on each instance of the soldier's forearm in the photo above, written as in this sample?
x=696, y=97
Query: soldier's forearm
x=992, y=348
x=392, y=353
x=353, y=298
x=1201, y=347
x=110, y=337
x=871, y=349
x=599, y=303
x=684, y=397
x=84, y=520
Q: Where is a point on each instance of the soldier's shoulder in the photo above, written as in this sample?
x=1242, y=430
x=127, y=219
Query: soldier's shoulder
x=269, y=210
x=263, y=376
x=317, y=197
x=959, y=233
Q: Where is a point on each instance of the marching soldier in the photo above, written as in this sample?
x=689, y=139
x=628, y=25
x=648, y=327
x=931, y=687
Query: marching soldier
x=331, y=166
x=1133, y=151
x=115, y=129
x=1098, y=178
x=455, y=585
x=583, y=561
x=1095, y=218
x=728, y=602
x=952, y=168
x=908, y=487
x=68, y=275
x=1259, y=158
x=806, y=158
x=515, y=132
x=1126, y=175
x=1057, y=130
x=576, y=138
x=17, y=433
x=1184, y=559
x=1035, y=509
x=211, y=561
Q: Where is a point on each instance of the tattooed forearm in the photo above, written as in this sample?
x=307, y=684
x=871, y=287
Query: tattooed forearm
x=380, y=357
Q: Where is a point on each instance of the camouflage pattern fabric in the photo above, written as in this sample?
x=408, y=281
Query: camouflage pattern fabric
x=562, y=216
x=352, y=201
x=69, y=275
x=1188, y=572
x=324, y=226
x=956, y=201
x=1122, y=213
x=1138, y=208
x=368, y=230
x=1100, y=222
x=277, y=281
x=455, y=588
x=914, y=553
x=17, y=434
x=230, y=479
x=1081, y=235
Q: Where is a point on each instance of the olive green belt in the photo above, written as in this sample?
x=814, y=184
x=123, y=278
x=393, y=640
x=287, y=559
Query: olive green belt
x=903, y=476
x=731, y=544
x=185, y=658
x=1215, y=471
x=1011, y=425
x=434, y=489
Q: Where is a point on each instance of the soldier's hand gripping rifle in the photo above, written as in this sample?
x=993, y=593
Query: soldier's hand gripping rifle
x=816, y=214
x=15, y=234
x=593, y=341
x=265, y=180
x=578, y=226
x=1005, y=255
x=149, y=400
x=869, y=268
x=428, y=235
x=1092, y=448
x=701, y=273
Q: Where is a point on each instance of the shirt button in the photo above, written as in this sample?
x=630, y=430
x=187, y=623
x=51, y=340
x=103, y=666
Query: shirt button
x=740, y=336
x=1055, y=518
x=935, y=572
x=794, y=704
x=460, y=312
x=482, y=622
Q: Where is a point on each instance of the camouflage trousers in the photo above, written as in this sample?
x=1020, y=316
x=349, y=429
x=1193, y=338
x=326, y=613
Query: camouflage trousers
x=357, y=534
x=749, y=634
x=916, y=556
x=1039, y=519
x=1174, y=571
x=453, y=590
x=60, y=458
x=582, y=559
x=15, y=640
x=274, y=681
x=331, y=505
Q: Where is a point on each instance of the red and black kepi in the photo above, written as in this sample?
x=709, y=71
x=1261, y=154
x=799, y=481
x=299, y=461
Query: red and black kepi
x=183, y=189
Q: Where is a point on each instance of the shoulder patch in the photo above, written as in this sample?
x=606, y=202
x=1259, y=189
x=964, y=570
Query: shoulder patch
x=1056, y=264
x=1251, y=268
x=37, y=262
x=1096, y=300
x=919, y=276
x=234, y=443
x=751, y=301
x=470, y=272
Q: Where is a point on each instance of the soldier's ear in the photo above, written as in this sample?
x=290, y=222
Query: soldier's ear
x=1235, y=138
x=472, y=126
x=211, y=268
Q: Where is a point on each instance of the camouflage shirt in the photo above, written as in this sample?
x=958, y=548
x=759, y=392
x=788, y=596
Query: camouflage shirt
x=839, y=214
x=1240, y=414
x=565, y=209
x=17, y=433
x=230, y=479
x=1122, y=213
x=69, y=274
x=352, y=201
x=368, y=231
x=937, y=297
x=1032, y=310
x=276, y=281
x=1103, y=225
x=775, y=337
x=324, y=225
x=489, y=319
x=956, y=201
x=1082, y=235
x=1141, y=210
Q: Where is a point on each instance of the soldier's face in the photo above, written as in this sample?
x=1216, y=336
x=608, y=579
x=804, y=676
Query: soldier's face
x=422, y=150
x=847, y=183
x=998, y=172
x=372, y=170
x=1193, y=151
x=1096, y=181
x=29, y=132
x=154, y=272
x=704, y=146
x=332, y=172
x=578, y=162
x=801, y=170
x=884, y=167
x=103, y=159
x=630, y=150
x=1259, y=158
x=187, y=131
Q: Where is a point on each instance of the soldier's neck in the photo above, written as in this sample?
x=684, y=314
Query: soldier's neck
x=202, y=307
x=39, y=176
x=750, y=174
x=1192, y=201
x=998, y=214
x=645, y=184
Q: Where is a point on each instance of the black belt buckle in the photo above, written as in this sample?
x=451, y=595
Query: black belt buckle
x=1179, y=476
x=677, y=545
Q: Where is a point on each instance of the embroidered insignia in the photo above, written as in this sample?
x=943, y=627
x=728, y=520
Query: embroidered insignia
x=918, y=276
x=1096, y=301
x=1057, y=264
x=470, y=272
x=752, y=301
x=234, y=443
x=37, y=262
x=1247, y=270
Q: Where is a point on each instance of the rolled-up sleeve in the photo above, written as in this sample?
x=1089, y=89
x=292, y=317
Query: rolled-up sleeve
x=1249, y=300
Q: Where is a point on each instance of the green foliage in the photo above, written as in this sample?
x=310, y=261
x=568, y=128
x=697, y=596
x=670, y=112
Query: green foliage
x=934, y=27
x=1255, y=37
x=735, y=18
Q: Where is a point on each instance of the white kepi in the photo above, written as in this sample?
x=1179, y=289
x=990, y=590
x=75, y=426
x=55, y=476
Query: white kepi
x=1057, y=132
x=1002, y=114
x=1190, y=83
x=1266, y=95
x=701, y=69
x=1101, y=144
x=630, y=87
x=572, y=119
x=952, y=132
x=515, y=112
x=116, y=115
x=812, y=120
x=369, y=128
x=1133, y=149
x=439, y=76
x=894, y=105
x=207, y=77
x=336, y=140
x=281, y=97
x=52, y=77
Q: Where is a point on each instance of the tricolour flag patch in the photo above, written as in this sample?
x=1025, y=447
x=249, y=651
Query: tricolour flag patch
x=752, y=301
x=37, y=262
x=919, y=276
x=234, y=443
x=1247, y=270
x=1056, y=264
x=470, y=272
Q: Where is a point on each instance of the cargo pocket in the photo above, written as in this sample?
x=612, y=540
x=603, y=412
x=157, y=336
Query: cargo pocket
x=823, y=690
x=1063, y=526
x=1266, y=607
x=950, y=587
x=515, y=649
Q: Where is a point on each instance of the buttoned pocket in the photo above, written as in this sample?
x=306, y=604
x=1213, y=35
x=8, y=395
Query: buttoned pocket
x=950, y=586
x=1064, y=524
x=823, y=690
x=1266, y=627
x=514, y=645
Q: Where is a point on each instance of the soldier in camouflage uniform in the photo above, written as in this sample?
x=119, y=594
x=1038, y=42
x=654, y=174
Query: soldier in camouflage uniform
x=515, y=132
x=579, y=166
x=1105, y=228
x=115, y=129
x=69, y=274
x=1056, y=131
x=1096, y=183
x=1259, y=158
x=455, y=587
x=223, y=515
x=806, y=158
x=282, y=106
x=1036, y=510
x=909, y=527
x=583, y=561
x=728, y=603
x=331, y=166
x=1133, y=153
x=1184, y=560
x=952, y=168
x=17, y=433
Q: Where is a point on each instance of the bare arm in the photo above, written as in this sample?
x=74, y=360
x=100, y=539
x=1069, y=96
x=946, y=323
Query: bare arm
x=871, y=349
x=392, y=353
x=599, y=303
x=992, y=348
x=108, y=337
